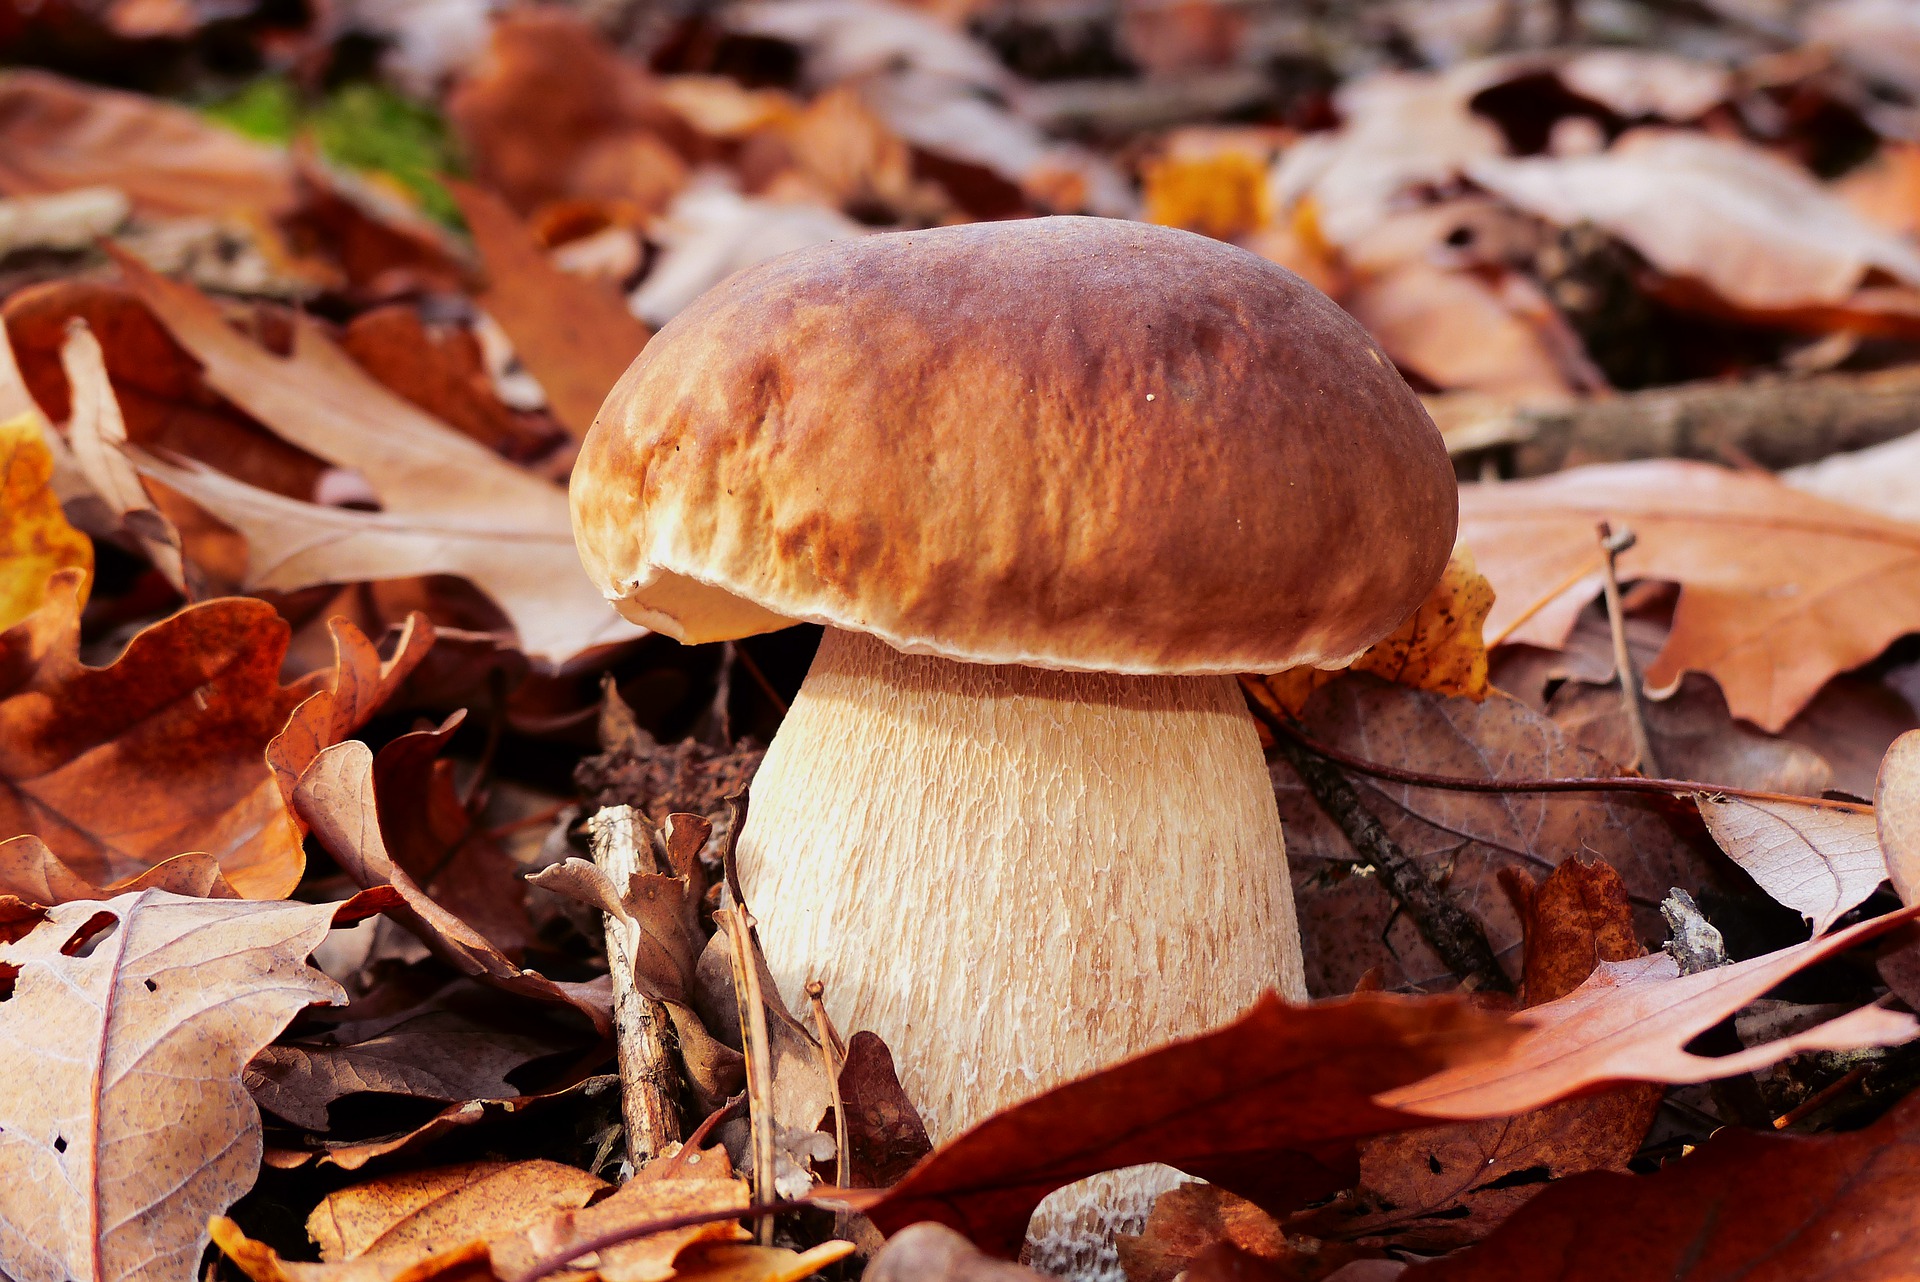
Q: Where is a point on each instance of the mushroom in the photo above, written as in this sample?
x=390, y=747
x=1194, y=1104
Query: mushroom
x=1049, y=485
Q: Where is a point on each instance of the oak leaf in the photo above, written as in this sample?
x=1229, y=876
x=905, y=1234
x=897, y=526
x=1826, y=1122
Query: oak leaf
x=123, y=1121
x=1268, y=1106
x=1779, y=590
x=35, y=539
x=1896, y=809
x=574, y=335
x=1438, y=648
x=450, y=505
x=1746, y=1206
x=418, y=1214
x=1817, y=860
x=165, y=751
x=336, y=797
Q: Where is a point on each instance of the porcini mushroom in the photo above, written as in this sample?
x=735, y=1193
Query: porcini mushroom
x=1049, y=485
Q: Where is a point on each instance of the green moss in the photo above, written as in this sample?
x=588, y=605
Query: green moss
x=360, y=125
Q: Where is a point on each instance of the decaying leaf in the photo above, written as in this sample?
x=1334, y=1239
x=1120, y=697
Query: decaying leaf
x=1268, y=1106
x=405, y=1218
x=336, y=796
x=1896, y=809
x=162, y=753
x=1779, y=590
x=1746, y=1206
x=1816, y=860
x=1462, y=839
x=1438, y=648
x=35, y=539
x=33, y=874
x=1632, y=1021
x=1185, y=1222
x=575, y=335
x=502, y=528
x=123, y=1121
x=1433, y=1190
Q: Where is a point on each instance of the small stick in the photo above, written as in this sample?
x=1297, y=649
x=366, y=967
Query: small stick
x=1820, y=1098
x=1613, y=544
x=753, y=1035
x=1452, y=931
x=649, y=1083
x=830, y=1050
x=759, y=678
x=1285, y=728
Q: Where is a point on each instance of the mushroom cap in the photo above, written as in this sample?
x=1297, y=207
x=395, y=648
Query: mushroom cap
x=1069, y=443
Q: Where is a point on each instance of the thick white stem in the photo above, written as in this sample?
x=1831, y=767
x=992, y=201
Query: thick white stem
x=1016, y=875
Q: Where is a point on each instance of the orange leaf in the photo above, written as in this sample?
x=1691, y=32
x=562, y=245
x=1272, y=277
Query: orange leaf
x=35, y=539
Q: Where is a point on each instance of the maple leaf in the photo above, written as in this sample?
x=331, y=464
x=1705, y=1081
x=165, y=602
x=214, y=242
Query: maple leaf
x=35, y=539
x=1745, y=1206
x=165, y=751
x=573, y=334
x=1779, y=590
x=123, y=1121
x=1438, y=648
x=451, y=506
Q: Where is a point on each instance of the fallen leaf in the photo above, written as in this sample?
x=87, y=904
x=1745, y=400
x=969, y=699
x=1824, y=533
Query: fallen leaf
x=1187, y=1220
x=885, y=1136
x=1438, y=648
x=437, y=1055
x=1268, y=1106
x=443, y=373
x=335, y=796
x=1632, y=1020
x=1816, y=860
x=574, y=335
x=741, y=1262
x=503, y=528
x=33, y=874
x=930, y=1252
x=1759, y=231
x=1462, y=332
x=123, y=1122
x=1779, y=590
x=1434, y=1190
x=35, y=539
x=1896, y=809
x=119, y=768
x=57, y=135
x=414, y=1216
x=1349, y=922
x=1747, y=1206
x=1213, y=182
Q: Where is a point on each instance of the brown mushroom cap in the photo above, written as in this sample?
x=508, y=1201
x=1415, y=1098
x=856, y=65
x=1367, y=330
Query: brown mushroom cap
x=1065, y=442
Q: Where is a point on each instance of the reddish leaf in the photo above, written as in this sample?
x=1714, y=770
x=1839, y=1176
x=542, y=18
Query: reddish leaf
x=1745, y=1206
x=1270, y=1103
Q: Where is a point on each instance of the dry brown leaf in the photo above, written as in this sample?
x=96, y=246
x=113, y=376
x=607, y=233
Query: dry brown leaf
x=741, y=1262
x=336, y=796
x=57, y=134
x=1816, y=860
x=123, y=1122
x=885, y=1135
x=1438, y=648
x=411, y=1217
x=35, y=539
x=1349, y=922
x=1896, y=809
x=164, y=751
x=1632, y=1021
x=1759, y=231
x=1779, y=590
x=1886, y=189
x=1462, y=332
x=1187, y=1220
x=573, y=334
x=503, y=528
x=1268, y=1106
x=436, y=1055
x=931, y=1252
x=1744, y=1206
x=1213, y=182
x=33, y=874
x=444, y=373
x=1433, y=1190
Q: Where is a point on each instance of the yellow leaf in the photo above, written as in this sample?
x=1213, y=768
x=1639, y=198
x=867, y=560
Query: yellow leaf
x=1222, y=195
x=1439, y=648
x=35, y=539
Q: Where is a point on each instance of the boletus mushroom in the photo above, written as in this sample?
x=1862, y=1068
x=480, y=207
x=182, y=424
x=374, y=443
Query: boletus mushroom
x=1049, y=485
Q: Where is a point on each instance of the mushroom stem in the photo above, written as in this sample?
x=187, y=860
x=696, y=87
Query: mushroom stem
x=1017, y=875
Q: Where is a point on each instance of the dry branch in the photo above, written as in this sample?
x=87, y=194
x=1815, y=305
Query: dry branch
x=1777, y=423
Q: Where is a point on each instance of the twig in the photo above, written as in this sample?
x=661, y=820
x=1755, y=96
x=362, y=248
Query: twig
x=649, y=1084
x=729, y=854
x=1613, y=544
x=1282, y=729
x=753, y=1036
x=615, y=1237
x=1452, y=931
x=759, y=678
x=1820, y=1098
x=829, y=1044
